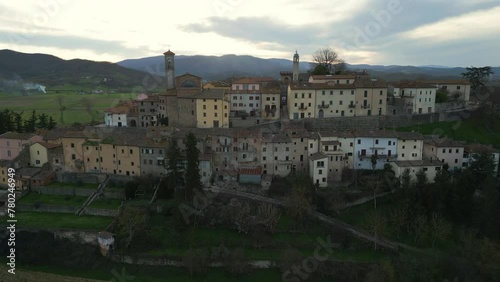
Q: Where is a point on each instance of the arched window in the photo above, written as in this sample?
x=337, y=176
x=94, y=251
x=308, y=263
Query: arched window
x=188, y=83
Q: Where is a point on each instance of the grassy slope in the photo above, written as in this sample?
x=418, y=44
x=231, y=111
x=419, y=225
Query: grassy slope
x=75, y=112
x=53, y=200
x=472, y=129
x=58, y=220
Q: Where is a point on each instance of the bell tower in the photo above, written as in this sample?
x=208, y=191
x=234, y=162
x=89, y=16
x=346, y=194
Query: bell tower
x=295, y=77
x=170, y=68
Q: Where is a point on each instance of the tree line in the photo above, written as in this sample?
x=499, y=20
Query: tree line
x=14, y=121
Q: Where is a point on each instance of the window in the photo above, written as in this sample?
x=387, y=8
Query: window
x=287, y=149
x=380, y=101
x=376, y=141
x=251, y=98
x=235, y=97
x=340, y=102
x=449, y=151
x=311, y=145
x=323, y=92
x=366, y=93
x=37, y=161
x=73, y=157
x=204, y=114
x=444, y=150
x=131, y=151
x=320, y=171
x=72, y=145
x=204, y=107
x=257, y=98
x=251, y=104
x=351, y=144
x=457, y=151
x=263, y=158
x=310, y=95
x=235, y=105
x=359, y=141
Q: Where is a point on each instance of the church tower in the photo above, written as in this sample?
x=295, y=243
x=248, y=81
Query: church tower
x=295, y=77
x=170, y=69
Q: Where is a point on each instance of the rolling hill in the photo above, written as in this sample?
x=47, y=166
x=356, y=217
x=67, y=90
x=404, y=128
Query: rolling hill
x=50, y=71
x=221, y=67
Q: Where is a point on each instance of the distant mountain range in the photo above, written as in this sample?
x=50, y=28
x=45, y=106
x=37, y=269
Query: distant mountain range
x=20, y=68
x=33, y=69
x=221, y=67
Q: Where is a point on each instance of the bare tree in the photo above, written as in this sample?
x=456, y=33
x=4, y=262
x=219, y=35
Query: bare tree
x=131, y=221
x=326, y=59
x=268, y=215
x=420, y=227
x=89, y=106
x=440, y=228
x=60, y=100
x=298, y=203
x=399, y=219
x=376, y=224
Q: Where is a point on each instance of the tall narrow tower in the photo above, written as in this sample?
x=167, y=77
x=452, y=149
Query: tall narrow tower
x=295, y=77
x=170, y=69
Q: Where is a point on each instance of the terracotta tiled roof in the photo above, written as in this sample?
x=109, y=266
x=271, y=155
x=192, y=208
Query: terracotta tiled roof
x=16, y=136
x=317, y=156
x=417, y=163
x=48, y=145
x=211, y=94
x=480, y=148
x=447, y=81
x=118, y=110
x=413, y=84
x=251, y=171
x=169, y=53
x=28, y=171
x=444, y=143
x=410, y=135
x=333, y=77
x=247, y=80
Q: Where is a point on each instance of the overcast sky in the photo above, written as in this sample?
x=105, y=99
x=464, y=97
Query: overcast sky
x=386, y=32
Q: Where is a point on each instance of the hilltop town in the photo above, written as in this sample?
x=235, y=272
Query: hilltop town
x=261, y=126
x=311, y=145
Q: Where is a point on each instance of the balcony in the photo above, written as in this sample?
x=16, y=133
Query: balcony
x=323, y=106
x=352, y=106
x=365, y=106
x=378, y=155
x=302, y=108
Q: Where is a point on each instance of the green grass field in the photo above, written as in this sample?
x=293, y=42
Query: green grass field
x=71, y=185
x=105, y=204
x=76, y=110
x=470, y=130
x=53, y=200
x=58, y=220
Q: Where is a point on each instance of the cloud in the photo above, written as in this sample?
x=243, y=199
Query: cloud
x=70, y=42
x=457, y=28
